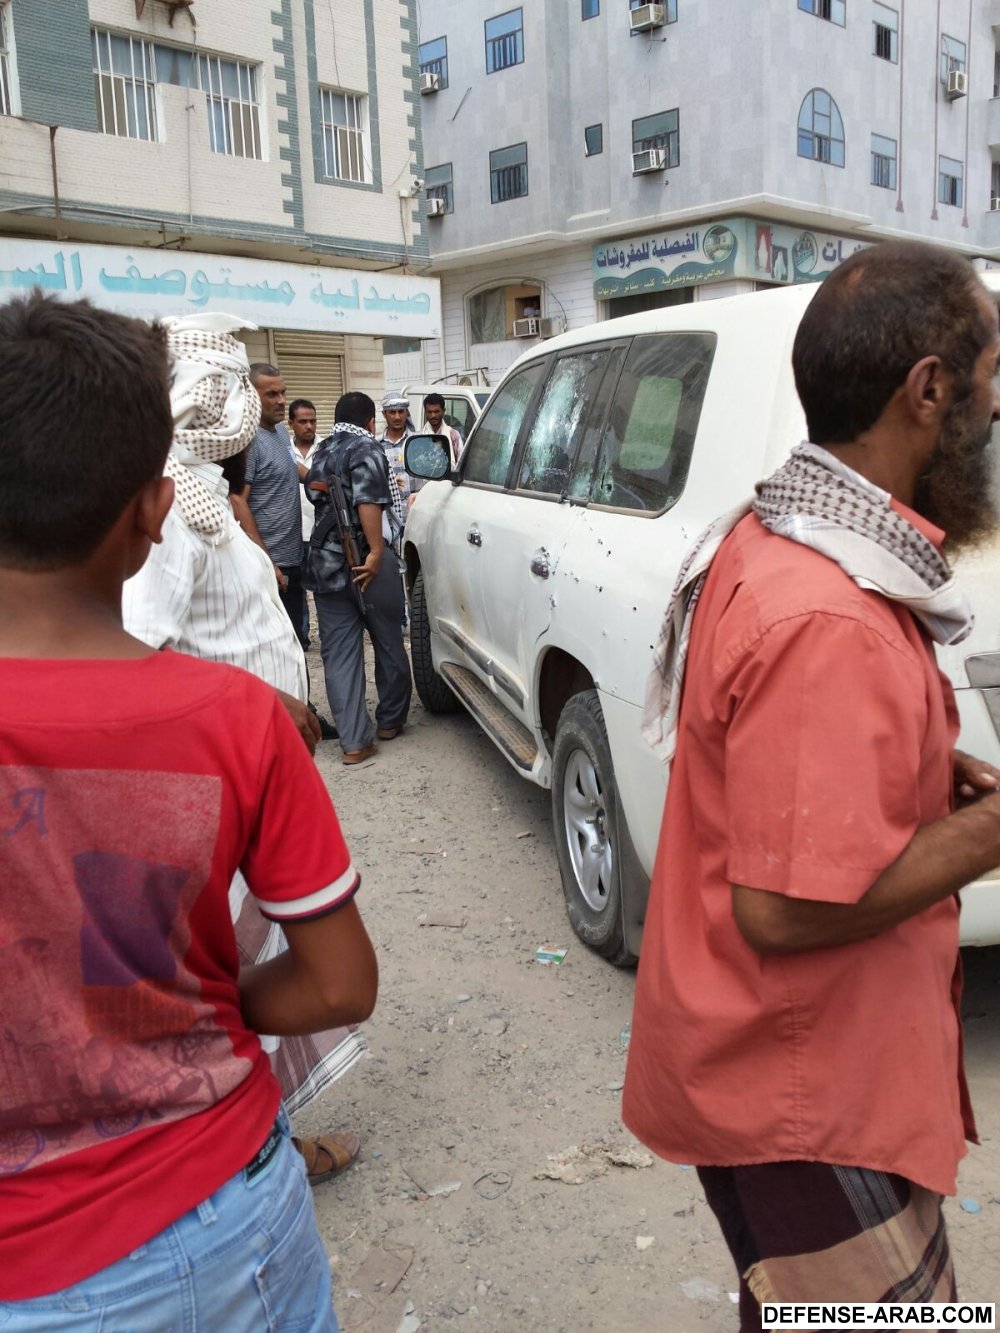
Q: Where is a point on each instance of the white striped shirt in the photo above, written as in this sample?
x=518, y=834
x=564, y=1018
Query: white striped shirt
x=219, y=603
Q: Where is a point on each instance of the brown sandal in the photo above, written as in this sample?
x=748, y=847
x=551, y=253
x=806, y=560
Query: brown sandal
x=339, y=1150
x=359, y=756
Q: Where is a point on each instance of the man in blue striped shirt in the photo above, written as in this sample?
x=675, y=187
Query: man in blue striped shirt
x=273, y=513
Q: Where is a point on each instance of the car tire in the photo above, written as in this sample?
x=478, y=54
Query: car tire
x=585, y=820
x=434, y=693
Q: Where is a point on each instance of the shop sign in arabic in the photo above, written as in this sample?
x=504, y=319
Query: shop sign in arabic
x=152, y=284
x=734, y=248
x=668, y=259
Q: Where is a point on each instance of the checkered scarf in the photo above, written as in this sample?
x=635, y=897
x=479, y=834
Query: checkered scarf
x=818, y=501
x=398, y=509
x=216, y=414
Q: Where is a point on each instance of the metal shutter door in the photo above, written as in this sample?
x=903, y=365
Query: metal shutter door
x=256, y=344
x=312, y=366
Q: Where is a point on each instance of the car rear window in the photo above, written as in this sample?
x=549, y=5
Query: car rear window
x=645, y=452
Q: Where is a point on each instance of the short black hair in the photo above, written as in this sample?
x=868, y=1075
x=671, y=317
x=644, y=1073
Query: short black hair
x=356, y=409
x=878, y=313
x=299, y=402
x=433, y=399
x=260, y=369
x=105, y=382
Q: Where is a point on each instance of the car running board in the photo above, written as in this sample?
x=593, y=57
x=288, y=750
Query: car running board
x=515, y=740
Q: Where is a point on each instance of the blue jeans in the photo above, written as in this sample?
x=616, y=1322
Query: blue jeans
x=247, y=1259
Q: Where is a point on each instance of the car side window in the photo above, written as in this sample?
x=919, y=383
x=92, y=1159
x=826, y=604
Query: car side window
x=646, y=450
x=589, y=438
x=458, y=413
x=563, y=410
x=487, y=458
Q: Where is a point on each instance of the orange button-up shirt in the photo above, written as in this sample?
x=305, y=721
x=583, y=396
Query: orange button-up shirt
x=816, y=736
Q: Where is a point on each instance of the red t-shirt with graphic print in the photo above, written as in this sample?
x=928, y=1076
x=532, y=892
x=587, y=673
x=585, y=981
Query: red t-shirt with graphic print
x=130, y=1088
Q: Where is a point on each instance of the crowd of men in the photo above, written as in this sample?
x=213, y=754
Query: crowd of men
x=288, y=483
x=175, y=982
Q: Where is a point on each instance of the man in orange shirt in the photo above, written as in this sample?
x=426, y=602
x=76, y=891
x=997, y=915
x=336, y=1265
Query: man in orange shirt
x=796, y=1031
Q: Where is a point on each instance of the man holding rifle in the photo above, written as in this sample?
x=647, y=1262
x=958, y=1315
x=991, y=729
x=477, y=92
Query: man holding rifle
x=353, y=573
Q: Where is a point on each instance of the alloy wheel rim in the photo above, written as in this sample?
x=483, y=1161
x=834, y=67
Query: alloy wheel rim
x=585, y=821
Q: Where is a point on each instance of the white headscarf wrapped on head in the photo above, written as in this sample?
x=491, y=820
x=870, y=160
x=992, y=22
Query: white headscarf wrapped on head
x=216, y=413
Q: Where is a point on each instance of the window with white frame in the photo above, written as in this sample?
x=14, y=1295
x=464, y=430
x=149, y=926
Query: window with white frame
x=886, y=38
x=821, y=129
x=124, y=85
x=996, y=72
x=438, y=184
x=951, y=179
x=504, y=41
x=658, y=131
x=952, y=56
x=835, y=11
x=433, y=58
x=127, y=70
x=995, y=187
x=230, y=87
x=883, y=162
x=6, y=66
x=345, y=127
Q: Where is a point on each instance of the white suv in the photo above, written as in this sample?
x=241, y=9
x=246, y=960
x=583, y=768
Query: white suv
x=540, y=570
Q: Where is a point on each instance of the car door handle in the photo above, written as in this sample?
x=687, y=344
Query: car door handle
x=540, y=564
x=474, y=537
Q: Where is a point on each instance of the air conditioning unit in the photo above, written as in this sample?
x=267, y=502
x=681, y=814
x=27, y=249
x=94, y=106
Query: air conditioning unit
x=957, y=85
x=650, y=159
x=435, y=208
x=995, y=204
x=429, y=83
x=647, y=17
x=550, y=327
x=526, y=328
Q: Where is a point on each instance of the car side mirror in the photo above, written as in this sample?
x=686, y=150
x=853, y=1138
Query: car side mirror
x=426, y=456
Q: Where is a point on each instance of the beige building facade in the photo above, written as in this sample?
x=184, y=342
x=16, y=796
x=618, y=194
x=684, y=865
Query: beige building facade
x=275, y=141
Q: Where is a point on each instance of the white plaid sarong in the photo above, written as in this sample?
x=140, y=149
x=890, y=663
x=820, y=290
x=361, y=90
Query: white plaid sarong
x=304, y=1066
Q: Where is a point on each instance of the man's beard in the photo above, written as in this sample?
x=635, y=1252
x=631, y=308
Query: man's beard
x=956, y=490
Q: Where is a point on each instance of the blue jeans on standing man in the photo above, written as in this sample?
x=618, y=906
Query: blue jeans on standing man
x=248, y=1259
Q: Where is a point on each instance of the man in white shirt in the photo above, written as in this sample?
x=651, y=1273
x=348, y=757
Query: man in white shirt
x=434, y=416
x=302, y=424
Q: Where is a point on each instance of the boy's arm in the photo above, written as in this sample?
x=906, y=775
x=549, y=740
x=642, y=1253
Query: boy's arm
x=328, y=978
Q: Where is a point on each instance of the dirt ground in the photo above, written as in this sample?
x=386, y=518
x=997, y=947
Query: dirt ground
x=482, y=1065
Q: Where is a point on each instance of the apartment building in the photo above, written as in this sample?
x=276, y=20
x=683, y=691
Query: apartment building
x=255, y=156
x=590, y=158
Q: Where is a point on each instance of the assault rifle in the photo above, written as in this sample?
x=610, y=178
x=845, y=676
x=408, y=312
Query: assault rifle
x=341, y=514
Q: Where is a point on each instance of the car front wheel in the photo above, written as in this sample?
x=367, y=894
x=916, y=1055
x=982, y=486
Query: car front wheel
x=585, y=819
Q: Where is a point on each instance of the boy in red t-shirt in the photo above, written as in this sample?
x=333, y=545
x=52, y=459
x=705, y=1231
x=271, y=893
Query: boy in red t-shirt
x=145, y=1166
